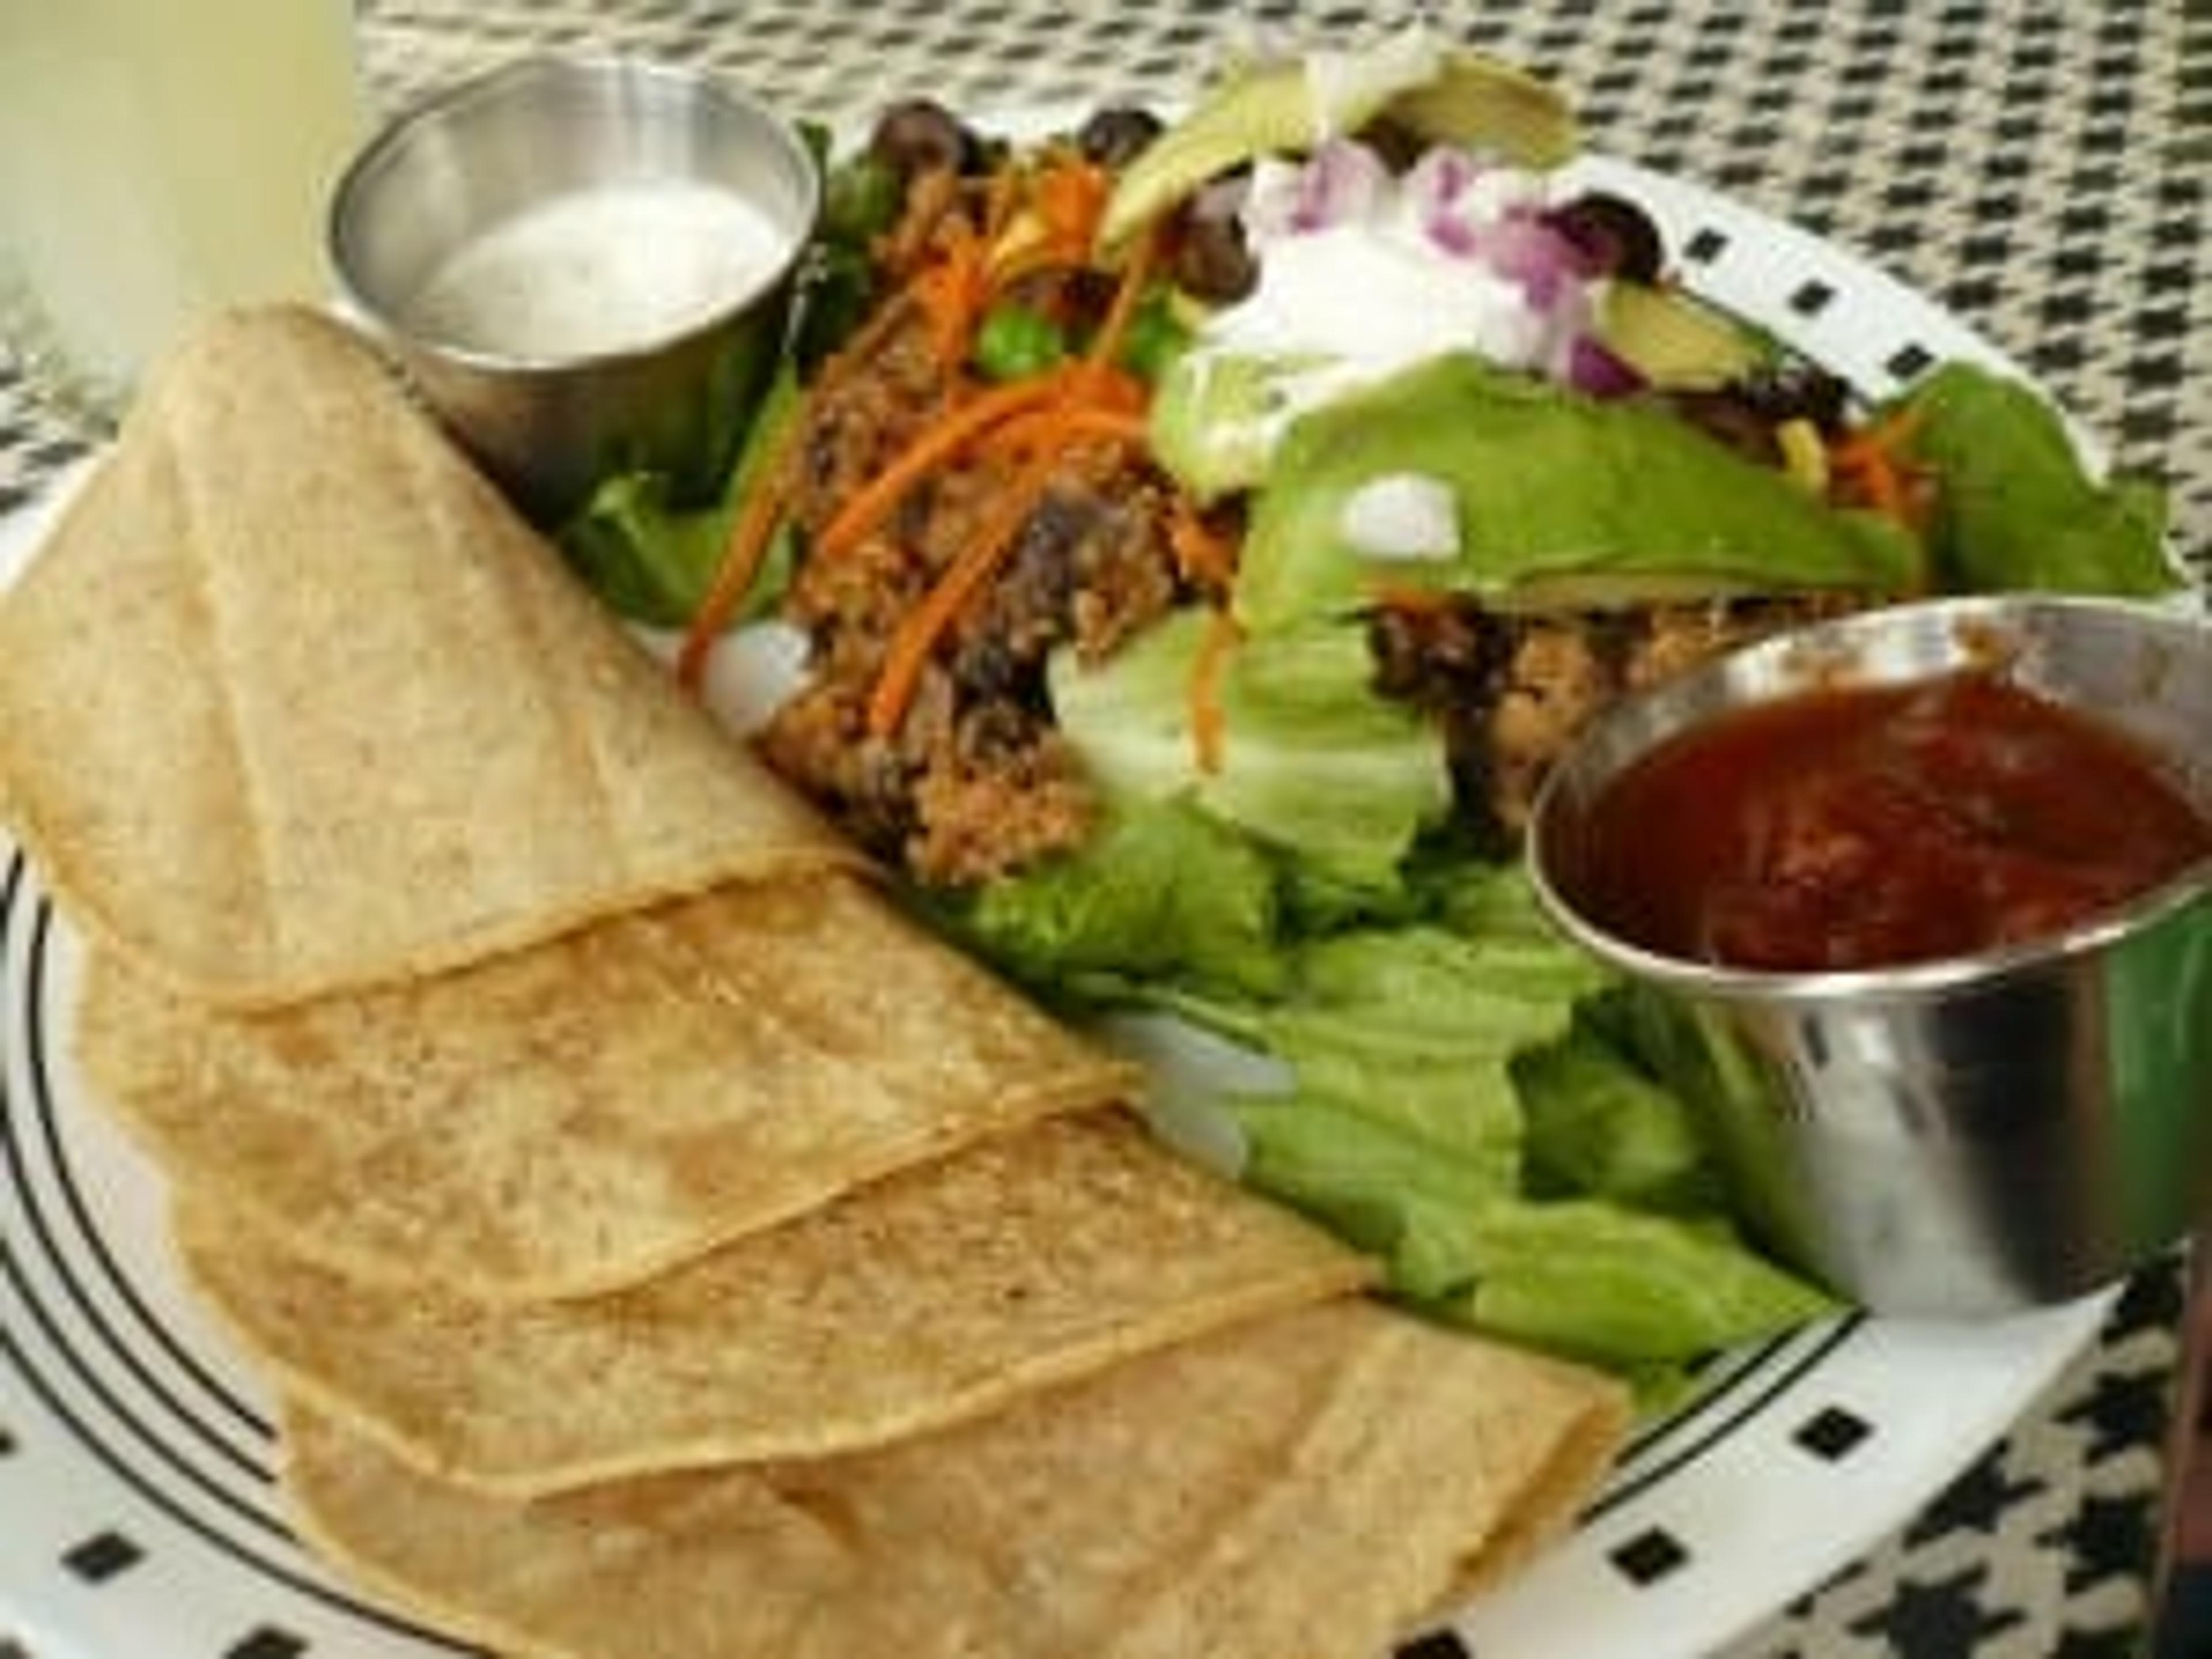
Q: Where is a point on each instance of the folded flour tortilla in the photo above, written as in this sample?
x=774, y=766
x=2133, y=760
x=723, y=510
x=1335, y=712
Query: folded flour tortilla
x=576, y=1117
x=1301, y=1485
x=292, y=701
x=933, y=1295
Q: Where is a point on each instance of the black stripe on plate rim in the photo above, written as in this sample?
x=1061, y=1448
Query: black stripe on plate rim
x=38, y=1022
x=90, y=1317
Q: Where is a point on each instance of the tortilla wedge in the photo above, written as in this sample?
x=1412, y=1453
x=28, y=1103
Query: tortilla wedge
x=928, y=1296
x=577, y=1117
x=1243, y=1494
x=292, y=702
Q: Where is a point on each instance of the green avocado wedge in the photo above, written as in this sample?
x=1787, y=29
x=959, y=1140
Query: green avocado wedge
x=1557, y=499
x=1439, y=94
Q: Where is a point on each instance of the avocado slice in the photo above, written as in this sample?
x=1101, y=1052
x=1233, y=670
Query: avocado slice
x=1560, y=499
x=1674, y=341
x=1443, y=94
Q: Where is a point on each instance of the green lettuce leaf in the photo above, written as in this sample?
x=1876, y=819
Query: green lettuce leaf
x=1382, y=1190
x=652, y=559
x=1599, y=1124
x=1161, y=893
x=1315, y=763
x=1603, y=1282
x=1559, y=498
x=2014, y=508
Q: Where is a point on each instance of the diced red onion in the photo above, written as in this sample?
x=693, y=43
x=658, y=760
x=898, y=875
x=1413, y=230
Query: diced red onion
x=1522, y=248
x=1342, y=183
x=1592, y=368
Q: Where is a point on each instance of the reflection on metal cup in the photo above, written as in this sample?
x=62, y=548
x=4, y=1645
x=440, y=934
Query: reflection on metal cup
x=585, y=267
x=1975, y=1134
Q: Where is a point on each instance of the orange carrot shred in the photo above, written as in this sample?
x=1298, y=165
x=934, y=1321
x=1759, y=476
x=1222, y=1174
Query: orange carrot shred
x=1106, y=344
x=919, y=631
x=1200, y=555
x=1092, y=397
x=952, y=289
x=934, y=444
x=755, y=529
x=1062, y=423
x=1209, y=729
x=1071, y=198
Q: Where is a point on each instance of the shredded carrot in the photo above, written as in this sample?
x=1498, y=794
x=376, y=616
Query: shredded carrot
x=953, y=290
x=930, y=448
x=1872, y=467
x=767, y=500
x=1208, y=722
x=1071, y=198
x=1090, y=397
x=1062, y=423
x=1889, y=437
x=917, y=633
x=1200, y=555
x=1106, y=344
x=1403, y=596
x=749, y=538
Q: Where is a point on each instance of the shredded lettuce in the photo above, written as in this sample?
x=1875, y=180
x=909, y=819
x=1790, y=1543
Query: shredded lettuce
x=1465, y=1102
x=1315, y=762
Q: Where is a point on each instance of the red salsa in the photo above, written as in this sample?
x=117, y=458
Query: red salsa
x=1869, y=826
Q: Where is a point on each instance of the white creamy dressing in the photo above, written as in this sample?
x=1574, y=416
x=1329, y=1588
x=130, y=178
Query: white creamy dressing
x=1359, y=301
x=602, y=270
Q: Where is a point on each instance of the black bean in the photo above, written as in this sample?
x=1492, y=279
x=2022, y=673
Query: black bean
x=1117, y=135
x=1614, y=233
x=918, y=135
x=1211, y=261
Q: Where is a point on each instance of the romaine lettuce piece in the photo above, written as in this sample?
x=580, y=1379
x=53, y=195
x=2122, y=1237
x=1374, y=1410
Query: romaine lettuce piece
x=1561, y=498
x=1382, y=1190
x=1314, y=762
x=1414, y=1027
x=1601, y=1282
x=1600, y=1125
x=1161, y=891
x=652, y=559
x=1585, y=1276
x=2015, y=508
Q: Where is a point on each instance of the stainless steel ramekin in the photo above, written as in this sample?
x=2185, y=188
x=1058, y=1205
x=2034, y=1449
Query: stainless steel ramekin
x=1971, y=1135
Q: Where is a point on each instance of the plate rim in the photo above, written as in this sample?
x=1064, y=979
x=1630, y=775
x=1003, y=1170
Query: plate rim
x=1624, y=1510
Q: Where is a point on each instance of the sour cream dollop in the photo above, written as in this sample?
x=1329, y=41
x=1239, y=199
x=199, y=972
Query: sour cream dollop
x=1363, y=274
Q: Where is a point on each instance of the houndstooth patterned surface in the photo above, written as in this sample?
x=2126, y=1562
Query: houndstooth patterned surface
x=2040, y=169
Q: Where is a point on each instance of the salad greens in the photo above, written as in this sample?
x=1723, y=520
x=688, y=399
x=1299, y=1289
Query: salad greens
x=1553, y=494
x=654, y=559
x=2016, y=510
x=1526, y=1146
x=1313, y=759
x=1460, y=1104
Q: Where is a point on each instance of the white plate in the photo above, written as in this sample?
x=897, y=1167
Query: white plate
x=138, y=1512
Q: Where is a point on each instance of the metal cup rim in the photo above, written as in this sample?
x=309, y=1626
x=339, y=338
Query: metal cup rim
x=1897, y=981
x=379, y=152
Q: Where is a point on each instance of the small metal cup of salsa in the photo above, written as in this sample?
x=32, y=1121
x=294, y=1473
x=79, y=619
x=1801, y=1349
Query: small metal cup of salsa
x=1923, y=900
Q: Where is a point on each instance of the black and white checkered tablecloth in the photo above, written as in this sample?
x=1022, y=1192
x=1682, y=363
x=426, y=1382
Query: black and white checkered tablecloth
x=2040, y=168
